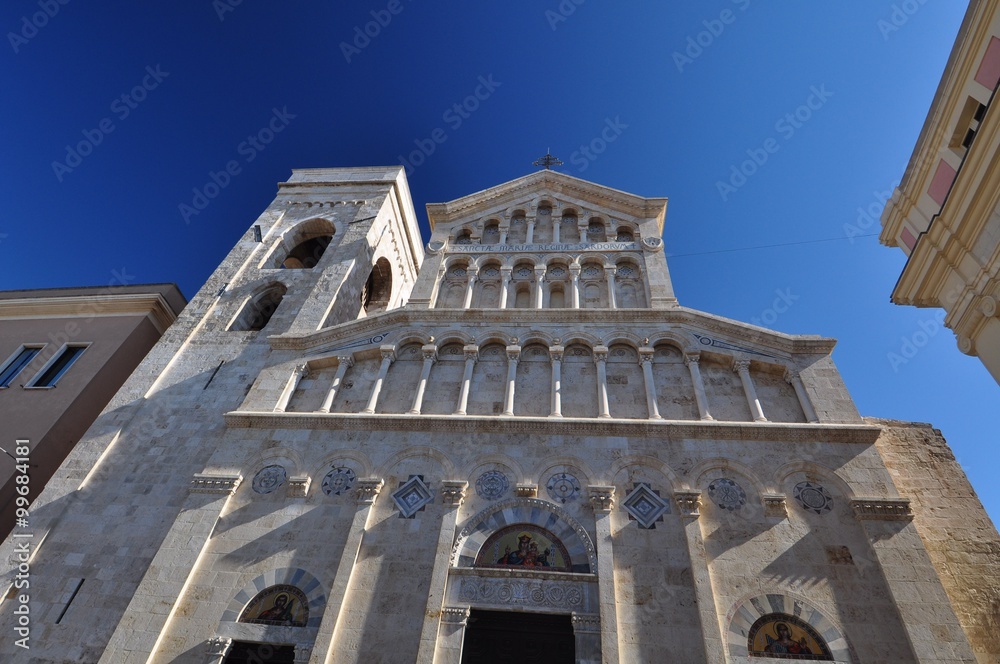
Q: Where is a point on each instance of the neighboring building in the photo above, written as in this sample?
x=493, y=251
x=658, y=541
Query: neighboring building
x=529, y=452
x=64, y=352
x=945, y=215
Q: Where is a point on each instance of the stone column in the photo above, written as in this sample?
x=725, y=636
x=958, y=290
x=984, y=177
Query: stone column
x=555, y=227
x=451, y=635
x=388, y=355
x=609, y=272
x=430, y=356
x=530, y=237
x=574, y=275
x=793, y=378
x=344, y=362
x=504, y=286
x=582, y=226
x=332, y=637
x=504, y=231
x=556, y=354
x=452, y=495
x=470, y=287
x=513, y=353
x=471, y=355
x=691, y=360
x=601, y=359
x=688, y=503
x=293, y=382
x=742, y=367
x=602, y=500
x=539, y=287
x=216, y=649
x=646, y=360
x=900, y=557
x=177, y=560
x=442, y=273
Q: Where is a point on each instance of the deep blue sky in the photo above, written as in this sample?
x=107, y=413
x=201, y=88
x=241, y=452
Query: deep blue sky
x=560, y=83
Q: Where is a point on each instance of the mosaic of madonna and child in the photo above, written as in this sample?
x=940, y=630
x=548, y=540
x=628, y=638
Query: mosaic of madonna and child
x=524, y=546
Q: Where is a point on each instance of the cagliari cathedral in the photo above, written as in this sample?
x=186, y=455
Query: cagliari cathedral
x=508, y=442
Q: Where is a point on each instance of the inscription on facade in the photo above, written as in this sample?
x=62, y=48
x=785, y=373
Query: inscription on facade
x=550, y=247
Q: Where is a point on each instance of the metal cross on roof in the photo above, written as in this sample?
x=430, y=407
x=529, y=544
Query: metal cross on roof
x=548, y=161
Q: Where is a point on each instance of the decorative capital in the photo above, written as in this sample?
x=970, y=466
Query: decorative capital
x=556, y=353
x=513, y=353
x=646, y=355
x=692, y=358
x=388, y=352
x=221, y=484
x=741, y=366
x=471, y=352
x=966, y=345
x=302, y=370
x=526, y=490
x=302, y=651
x=574, y=269
x=882, y=509
x=218, y=647
x=600, y=353
x=988, y=306
x=792, y=376
x=774, y=505
x=298, y=487
x=453, y=615
x=453, y=492
x=586, y=623
x=688, y=503
x=368, y=490
x=505, y=271
x=430, y=352
x=602, y=498
x=610, y=270
x=346, y=361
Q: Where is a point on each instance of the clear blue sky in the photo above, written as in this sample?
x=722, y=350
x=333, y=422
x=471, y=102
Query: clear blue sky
x=214, y=72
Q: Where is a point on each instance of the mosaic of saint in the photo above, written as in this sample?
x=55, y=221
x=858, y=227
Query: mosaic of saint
x=786, y=637
x=277, y=605
x=524, y=545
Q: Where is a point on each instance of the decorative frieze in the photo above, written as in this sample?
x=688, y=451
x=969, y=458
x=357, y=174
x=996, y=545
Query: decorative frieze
x=688, y=503
x=368, y=490
x=453, y=615
x=523, y=592
x=222, y=484
x=586, y=623
x=883, y=509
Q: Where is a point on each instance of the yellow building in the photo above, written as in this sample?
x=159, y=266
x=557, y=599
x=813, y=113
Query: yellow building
x=945, y=214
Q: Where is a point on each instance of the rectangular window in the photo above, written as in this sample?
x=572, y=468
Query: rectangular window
x=58, y=366
x=17, y=363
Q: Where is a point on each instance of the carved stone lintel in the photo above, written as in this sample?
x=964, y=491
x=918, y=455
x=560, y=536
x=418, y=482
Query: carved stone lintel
x=298, y=487
x=368, y=490
x=218, y=647
x=883, y=509
x=454, y=615
x=453, y=492
x=688, y=503
x=221, y=484
x=774, y=505
x=602, y=498
x=586, y=623
x=526, y=490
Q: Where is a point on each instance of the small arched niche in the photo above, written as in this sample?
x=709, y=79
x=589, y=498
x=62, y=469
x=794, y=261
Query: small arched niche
x=278, y=605
x=257, y=311
x=378, y=288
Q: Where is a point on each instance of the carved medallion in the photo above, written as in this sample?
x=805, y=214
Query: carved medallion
x=269, y=479
x=563, y=487
x=727, y=494
x=492, y=485
x=813, y=497
x=338, y=480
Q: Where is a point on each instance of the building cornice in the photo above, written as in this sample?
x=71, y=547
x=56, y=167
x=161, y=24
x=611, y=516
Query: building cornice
x=664, y=430
x=152, y=305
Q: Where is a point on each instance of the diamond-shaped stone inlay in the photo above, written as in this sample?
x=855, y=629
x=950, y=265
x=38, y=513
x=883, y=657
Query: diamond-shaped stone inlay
x=727, y=494
x=338, y=480
x=492, y=485
x=269, y=479
x=645, y=506
x=563, y=487
x=813, y=498
x=412, y=496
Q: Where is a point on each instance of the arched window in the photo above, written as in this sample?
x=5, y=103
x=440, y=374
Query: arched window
x=307, y=253
x=569, y=232
x=786, y=636
x=464, y=237
x=596, y=231
x=491, y=234
x=302, y=247
x=277, y=605
x=625, y=235
x=378, y=288
x=257, y=311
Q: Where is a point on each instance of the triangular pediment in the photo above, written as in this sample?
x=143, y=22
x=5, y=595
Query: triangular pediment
x=557, y=188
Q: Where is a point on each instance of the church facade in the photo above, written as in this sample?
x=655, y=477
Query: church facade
x=508, y=443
